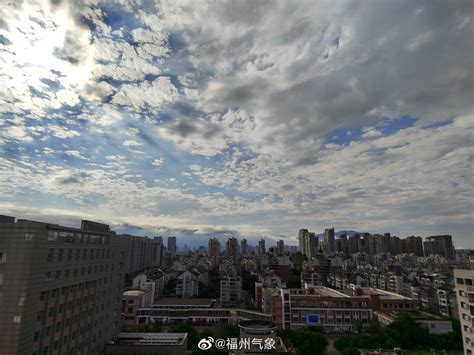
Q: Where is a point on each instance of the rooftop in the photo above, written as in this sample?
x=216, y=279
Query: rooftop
x=184, y=302
x=382, y=293
x=133, y=293
x=151, y=338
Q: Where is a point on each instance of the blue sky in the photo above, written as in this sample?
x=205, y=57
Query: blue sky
x=254, y=119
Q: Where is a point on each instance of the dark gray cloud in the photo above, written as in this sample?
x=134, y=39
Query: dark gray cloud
x=311, y=68
x=4, y=40
x=73, y=178
x=186, y=127
x=72, y=50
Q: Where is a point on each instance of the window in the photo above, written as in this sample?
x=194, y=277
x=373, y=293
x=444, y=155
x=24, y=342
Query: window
x=35, y=336
x=50, y=255
x=60, y=254
x=3, y=258
x=28, y=236
x=53, y=235
x=459, y=281
x=17, y=319
x=47, y=276
x=468, y=282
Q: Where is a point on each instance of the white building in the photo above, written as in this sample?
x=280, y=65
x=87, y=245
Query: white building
x=464, y=279
x=187, y=285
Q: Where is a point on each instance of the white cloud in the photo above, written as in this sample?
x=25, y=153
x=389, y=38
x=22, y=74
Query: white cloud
x=74, y=153
x=131, y=143
x=371, y=132
x=155, y=94
x=17, y=133
x=158, y=163
x=62, y=132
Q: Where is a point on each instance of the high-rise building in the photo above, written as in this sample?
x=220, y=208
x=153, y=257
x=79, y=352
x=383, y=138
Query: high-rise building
x=440, y=245
x=172, y=245
x=308, y=243
x=280, y=246
x=396, y=246
x=60, y=288
x=231, y=247
x=187, y=285
x=354, y=242
x=301, y=241
x=243, y=247
x=158, y=240
x=231, y=291
x=330, y=240
x=413, y=245
x=140, y=252
x=344, y=245
x=213, y=250
x=464, y=283
x=158, y=251
x=261, y=246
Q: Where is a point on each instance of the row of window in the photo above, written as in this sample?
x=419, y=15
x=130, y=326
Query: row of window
x=73, y=288
x=53, y=311
x=49, y=275
x=81, y=254
x=462, y=281
x=50, y=330
x=71, y=237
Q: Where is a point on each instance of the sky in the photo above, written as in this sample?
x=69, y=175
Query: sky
x=244, y=118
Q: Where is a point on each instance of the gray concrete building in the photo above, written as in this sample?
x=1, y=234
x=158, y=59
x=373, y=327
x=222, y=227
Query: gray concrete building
x=60, y=288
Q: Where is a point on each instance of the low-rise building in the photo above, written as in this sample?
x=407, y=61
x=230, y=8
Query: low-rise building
x=148, y=344
x=432, y=323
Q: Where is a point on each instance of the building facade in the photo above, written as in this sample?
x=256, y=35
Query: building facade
x=60, y=288
x=231, y=291
x=464, y=281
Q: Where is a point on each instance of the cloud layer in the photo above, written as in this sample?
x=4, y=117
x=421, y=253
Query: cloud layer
x=251, y=118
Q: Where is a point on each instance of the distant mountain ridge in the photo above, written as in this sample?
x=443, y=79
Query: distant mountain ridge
x=349, y=233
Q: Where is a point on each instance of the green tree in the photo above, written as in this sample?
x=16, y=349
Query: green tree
x=306, y=341
x=248, y=282
x=403, y=333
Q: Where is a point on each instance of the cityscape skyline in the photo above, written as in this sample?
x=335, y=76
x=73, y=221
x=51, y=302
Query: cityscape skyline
x=156, y=121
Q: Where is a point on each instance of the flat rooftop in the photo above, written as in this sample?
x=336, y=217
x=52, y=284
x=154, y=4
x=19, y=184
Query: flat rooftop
x=133, y=293
x=383, y=294
x=183, y=302
x=420, y=315
x=151, y=339
x=329, y=292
